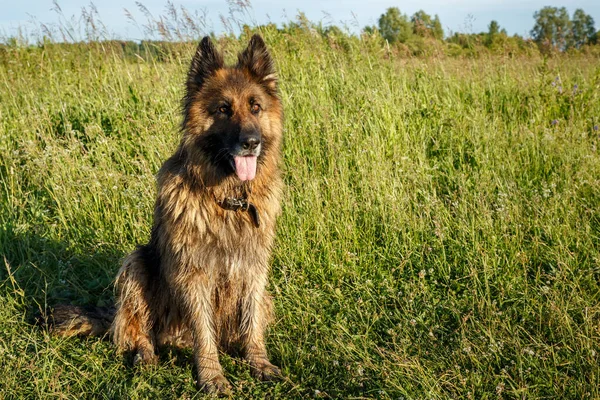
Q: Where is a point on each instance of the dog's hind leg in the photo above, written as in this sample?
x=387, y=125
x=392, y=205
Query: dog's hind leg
x=136, y=310
x=256, y=313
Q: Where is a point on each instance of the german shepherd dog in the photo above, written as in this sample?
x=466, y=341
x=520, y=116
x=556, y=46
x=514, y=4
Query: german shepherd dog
x=200, y=281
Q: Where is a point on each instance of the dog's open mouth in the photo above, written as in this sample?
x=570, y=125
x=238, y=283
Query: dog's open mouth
x=245, y=167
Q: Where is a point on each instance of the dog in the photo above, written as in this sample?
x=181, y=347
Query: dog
x=201, y=279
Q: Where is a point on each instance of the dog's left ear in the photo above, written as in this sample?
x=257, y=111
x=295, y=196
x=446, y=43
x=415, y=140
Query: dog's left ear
x=257, y=60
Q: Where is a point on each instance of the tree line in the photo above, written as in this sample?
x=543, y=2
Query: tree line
x=553, y=30
x=421, y=34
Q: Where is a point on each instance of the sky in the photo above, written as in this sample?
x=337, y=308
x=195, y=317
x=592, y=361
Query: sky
x=470, y=16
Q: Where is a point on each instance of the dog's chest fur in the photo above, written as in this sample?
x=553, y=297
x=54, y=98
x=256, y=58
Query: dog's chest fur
x=199, y=234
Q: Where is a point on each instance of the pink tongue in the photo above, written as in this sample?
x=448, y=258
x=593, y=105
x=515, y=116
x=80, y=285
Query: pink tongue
x=245, y=167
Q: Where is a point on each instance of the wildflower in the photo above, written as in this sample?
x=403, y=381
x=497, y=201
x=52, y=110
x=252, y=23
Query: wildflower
x=545, y=289
x=595, y=128
x=554, y=122
x=529, y=352
x=500, y=388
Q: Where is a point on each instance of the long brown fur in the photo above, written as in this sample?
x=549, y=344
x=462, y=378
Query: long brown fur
x=201, y=279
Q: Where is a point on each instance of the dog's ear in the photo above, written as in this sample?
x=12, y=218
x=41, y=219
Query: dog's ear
x=205, y=62
x=257, y=60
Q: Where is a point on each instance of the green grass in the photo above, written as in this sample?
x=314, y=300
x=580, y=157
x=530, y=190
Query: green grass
x=440, y=235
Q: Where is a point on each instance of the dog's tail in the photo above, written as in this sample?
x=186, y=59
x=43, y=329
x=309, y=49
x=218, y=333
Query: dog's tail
x=68, y=320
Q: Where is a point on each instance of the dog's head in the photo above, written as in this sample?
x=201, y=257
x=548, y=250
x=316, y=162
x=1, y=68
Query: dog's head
x=232, y=115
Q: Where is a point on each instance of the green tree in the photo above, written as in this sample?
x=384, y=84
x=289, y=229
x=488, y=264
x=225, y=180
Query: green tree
x=493, y=33
x=583, y=28
x=395, y=26
x=552, y=28
x=493, y=28
x=421, y=22
x=436, y=28
x=425, y=26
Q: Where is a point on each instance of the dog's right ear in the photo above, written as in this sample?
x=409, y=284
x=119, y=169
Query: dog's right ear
x=206, y=61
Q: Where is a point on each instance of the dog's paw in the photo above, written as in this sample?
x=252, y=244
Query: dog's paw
x=218, y=385
x=265, y=371
x=144, y=356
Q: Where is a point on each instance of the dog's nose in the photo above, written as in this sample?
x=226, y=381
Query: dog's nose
x=250, y=142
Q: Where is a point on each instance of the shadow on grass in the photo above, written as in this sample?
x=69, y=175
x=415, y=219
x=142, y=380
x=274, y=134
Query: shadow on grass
x=51, y=272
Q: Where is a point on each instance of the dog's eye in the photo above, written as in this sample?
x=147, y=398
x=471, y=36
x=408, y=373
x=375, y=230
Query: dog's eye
x=255, y=108
x=224, y=110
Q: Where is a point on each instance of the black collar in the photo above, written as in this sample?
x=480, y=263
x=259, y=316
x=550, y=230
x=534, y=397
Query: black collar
x=235, y=204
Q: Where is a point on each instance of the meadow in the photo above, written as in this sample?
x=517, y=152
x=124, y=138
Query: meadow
x=440, y=235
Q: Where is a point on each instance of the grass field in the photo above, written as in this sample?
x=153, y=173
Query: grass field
x=440, y=235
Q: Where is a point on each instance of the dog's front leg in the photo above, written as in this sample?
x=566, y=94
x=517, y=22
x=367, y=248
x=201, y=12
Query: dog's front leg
x=256, y=313
x=194, y=294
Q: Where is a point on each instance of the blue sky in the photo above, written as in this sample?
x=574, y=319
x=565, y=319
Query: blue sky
x=456, y=15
